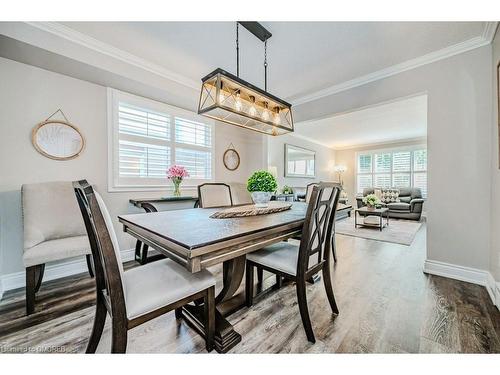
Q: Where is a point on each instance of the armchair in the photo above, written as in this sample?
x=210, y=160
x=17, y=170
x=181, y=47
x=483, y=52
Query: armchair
x=53, y=230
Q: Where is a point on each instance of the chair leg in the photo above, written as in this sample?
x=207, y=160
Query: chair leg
x=31, y=273
x=260, y=278
x=279, y=281
x=144, y=255
x=118, y=337
x=304, y=312
x=99, y=320
x=178, y=313
x=209, y=309
x=327, y=280
x=137, y=255
x=249, y=280
x=39, y=276
x=90, y=265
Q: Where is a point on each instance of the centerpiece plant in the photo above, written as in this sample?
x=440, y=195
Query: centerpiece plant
x=261, y=184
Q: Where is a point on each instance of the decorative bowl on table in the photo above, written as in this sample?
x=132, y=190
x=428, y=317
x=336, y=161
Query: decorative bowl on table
x=261, y=185
x=261, y=198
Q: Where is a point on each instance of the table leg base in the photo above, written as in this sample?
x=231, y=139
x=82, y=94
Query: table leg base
x=226, y=337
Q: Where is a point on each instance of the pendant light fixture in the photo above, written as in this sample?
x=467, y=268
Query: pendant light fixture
x=228, y=98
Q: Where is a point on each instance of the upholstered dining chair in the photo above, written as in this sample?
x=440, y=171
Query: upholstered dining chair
x=301, y=262
x=53, y=230
x=240, y=194
x=140, y=294
x=214, y=194
x=309, y=189
x=331, y=228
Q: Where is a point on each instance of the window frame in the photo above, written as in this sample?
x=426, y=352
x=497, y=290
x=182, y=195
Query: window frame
x=392, y=151
x=113, y=98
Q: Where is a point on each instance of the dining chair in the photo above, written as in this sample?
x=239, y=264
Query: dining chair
x=331, y=228
x=240, y=194
x=53, y=231
x=140, y=294
x=300, y=262
x=214, y=194
x=309, y=189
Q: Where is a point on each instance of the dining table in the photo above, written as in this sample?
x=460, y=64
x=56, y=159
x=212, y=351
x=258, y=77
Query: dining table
x=194, y=239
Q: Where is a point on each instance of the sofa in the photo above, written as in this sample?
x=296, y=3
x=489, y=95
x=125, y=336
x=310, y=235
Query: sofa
x=410, y=203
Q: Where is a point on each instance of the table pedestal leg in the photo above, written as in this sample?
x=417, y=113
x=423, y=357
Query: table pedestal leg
x=225, y=335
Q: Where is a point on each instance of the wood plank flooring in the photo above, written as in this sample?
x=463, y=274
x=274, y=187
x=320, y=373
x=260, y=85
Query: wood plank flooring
x=387, y=305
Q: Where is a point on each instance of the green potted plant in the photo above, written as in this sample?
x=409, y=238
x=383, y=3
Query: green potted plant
x=287, y=190
x=371, y=201
x=261, y=185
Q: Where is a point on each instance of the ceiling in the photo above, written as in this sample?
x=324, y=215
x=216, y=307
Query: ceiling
x=389, y=122
x=303, y=57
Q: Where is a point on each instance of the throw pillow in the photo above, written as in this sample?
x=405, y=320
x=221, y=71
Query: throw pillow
x=389, y=195
x=378, y=193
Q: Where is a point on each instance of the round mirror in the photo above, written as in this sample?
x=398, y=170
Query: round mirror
x=58, y=140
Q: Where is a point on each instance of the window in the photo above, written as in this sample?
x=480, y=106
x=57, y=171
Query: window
x=393, y=168
x=147, y=137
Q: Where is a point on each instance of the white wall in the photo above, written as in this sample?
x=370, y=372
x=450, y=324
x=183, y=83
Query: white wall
x=495, y=171
x=459, y=148
x=347, y=157
x=325, y=158
x=28, y=95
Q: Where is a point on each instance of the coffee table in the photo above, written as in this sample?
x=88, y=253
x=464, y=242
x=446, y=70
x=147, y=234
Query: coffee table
x=380, y=212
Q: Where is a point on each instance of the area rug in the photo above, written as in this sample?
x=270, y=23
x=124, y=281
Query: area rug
x=399, y=231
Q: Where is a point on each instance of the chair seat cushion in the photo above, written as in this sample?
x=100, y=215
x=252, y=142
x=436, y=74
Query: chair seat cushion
x=282, y=256
x=161, y=283
x=62, y=248
x=399, y=206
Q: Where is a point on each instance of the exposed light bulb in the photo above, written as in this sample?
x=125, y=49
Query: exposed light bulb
x=265, y=112
x=222, y=97
x=276, y=117
x=237, y=104
x=252, y=111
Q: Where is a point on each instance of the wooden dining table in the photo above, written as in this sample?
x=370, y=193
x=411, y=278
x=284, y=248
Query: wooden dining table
x=193, y=239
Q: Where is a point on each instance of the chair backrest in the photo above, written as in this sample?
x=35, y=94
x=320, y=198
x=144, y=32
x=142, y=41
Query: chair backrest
x=214, y=194
x=104, y=245
x=309, y=189
x=315, y=242
x=50, y=212
x=240, y=194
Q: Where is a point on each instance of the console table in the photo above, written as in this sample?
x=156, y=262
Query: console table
x=152, y=205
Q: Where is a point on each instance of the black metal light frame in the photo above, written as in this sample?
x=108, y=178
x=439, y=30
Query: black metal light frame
x=218, y=75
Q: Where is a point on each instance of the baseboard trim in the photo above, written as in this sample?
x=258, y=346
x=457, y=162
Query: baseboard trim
x=467, y=274
x=53, y=271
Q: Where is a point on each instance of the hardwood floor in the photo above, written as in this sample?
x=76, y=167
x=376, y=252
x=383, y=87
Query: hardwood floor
x=387, y=305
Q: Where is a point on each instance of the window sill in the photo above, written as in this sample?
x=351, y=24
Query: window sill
x=124, y=189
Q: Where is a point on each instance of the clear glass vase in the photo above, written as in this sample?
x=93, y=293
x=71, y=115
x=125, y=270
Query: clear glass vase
x=177, y=187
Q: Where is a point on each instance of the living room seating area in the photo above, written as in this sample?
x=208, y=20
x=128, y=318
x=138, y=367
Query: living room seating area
x=409, y=204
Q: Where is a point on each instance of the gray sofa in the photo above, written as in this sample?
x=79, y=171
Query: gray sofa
x=409, y=207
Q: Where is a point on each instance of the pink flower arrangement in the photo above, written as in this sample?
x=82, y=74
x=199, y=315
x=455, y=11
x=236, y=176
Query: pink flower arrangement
x=177, y=172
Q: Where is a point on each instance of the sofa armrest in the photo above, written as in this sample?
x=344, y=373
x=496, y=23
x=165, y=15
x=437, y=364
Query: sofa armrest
x=416, y=205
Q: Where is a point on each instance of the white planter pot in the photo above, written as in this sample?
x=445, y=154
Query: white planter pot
x=261, y=198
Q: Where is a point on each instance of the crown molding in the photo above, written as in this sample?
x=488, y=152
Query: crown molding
x=486, y=38
x=89, y=42
x=305, y=138
x=84, y=40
